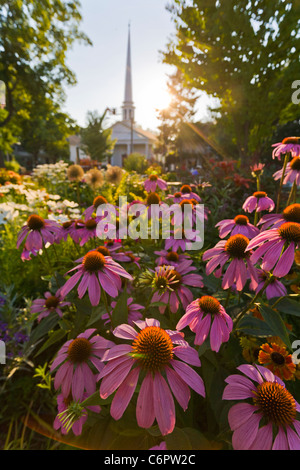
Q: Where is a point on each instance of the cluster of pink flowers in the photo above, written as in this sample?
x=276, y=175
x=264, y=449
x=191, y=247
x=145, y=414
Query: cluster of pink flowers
x=153, y=362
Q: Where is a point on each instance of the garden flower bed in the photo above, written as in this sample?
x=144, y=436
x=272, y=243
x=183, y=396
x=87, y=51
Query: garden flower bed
x=120, y=336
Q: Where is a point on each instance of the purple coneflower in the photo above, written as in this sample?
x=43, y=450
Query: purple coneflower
x=193, y=213
x=75, y=360
x=267, y=421
x=188, y=193
x=183, y=240
x=288, y=145
x=275, y=288
x=240, y=224
x=206, y=316
x=240, y=267
x=170, y=285
x=154, y=353
x=290, y=214
x=277, y=248
x=51, y=303
x=64, y=407
x=74, y=230
x=153, y=182
x=38, y=232
x=292, y=172
x=88, y=230
x=96, y=271
x=169, y=257
x=154, y=205
x=257, y=169
x=98, y=201
x=259, y=201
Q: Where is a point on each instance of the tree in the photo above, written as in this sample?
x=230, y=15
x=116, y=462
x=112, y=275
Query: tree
x=45, y=130
x=181, y=109
x=245, y=54
x=96, y=140
x=34, y=40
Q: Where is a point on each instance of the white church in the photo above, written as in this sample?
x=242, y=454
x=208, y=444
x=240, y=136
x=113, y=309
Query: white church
x=129, y=137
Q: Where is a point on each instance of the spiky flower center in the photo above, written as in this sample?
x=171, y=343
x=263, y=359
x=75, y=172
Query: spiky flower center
x=90, y=224
x=153, y=178
x=167, y=278
x=175, y=278
x=172, y=256
x=67, y=224
x=275, y=402
x=236, y=246
x=259, y=194
x=161, y=282
x=79, y=224
x=153, y=198
x=35, y=222
x=209, y=305
x=292, y=213
x=290, y=231
x=291, y=140
x=153, y=348
x=186, y=189
x=103, y=250
x=295, y=164
x=177, y=195
x=99, y=200
x=79, y=350
x=241, y=220
x=186, y=202
x=93, y=261
x=52, y=302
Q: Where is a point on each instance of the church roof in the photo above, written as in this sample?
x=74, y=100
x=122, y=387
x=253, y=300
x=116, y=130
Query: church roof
x=137, y=130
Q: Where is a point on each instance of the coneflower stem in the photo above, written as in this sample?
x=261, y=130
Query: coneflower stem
x=286, y=159
x=246, y=309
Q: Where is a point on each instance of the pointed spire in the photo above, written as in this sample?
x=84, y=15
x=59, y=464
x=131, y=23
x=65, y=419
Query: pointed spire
x=128, y=107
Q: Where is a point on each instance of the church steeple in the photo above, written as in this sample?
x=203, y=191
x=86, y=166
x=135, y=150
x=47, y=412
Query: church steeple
x=128, y=107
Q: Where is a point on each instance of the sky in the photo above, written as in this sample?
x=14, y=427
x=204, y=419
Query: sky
x=100, y=69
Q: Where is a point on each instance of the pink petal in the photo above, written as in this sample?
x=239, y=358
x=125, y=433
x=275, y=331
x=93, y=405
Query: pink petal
x=124, y=394
x=188, y=374
x=145, y=414
x=94, y=290
x=179, y=388
x=164, y=407
x=113, y=380
x=244, y=436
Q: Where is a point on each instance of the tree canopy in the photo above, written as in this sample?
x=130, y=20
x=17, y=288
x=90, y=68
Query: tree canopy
x=245, y=54
x=34, y=40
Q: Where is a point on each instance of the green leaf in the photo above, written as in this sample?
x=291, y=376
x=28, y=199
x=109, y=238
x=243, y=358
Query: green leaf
x=54, y=338
x=120, y=312
x=276, y=324
x=178, y=440
x=289, y=306
x=46, y=325
x=253, y=326
x=189, y=439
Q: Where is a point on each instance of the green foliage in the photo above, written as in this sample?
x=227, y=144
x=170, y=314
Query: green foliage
x=244, y=55
x=136, y=162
